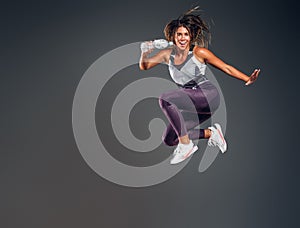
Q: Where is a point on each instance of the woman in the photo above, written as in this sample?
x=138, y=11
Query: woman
x=195, y=94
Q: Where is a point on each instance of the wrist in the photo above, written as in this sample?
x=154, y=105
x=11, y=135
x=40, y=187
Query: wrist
x=246, y=79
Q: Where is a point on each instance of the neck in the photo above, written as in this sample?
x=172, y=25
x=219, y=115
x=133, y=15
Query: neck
x=182, y=52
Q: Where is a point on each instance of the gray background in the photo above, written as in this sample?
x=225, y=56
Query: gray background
x=46, y=46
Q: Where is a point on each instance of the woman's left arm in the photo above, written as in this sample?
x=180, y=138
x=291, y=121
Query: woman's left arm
x=204, y=55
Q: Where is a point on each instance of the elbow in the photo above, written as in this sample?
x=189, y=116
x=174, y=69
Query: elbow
x=143, y=67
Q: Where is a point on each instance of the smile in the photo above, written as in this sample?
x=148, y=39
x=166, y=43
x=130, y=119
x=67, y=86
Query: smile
x=182, y=42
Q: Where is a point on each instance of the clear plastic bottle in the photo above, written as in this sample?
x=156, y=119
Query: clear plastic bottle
x=158, y=44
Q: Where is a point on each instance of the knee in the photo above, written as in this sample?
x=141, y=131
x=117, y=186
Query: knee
x=162, y=102
x=215, y=103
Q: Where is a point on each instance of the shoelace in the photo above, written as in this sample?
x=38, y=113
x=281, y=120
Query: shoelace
x=178, y=150
x=211, y=142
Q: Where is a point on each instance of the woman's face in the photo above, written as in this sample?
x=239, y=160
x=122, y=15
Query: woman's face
x=182, y=38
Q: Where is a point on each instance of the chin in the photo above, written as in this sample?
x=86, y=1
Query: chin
x=182, y=48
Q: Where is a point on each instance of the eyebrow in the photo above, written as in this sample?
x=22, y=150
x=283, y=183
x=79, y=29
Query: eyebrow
x=182, y=33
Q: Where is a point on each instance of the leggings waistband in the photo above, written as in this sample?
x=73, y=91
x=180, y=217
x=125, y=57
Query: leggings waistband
x=193, y=84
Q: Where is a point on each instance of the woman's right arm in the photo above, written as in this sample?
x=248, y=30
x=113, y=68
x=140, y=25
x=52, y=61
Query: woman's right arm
x=147, y=62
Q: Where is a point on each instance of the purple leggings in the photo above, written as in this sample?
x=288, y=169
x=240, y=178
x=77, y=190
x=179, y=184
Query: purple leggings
x=187, y=108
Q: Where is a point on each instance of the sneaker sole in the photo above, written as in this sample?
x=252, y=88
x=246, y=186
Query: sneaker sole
x=224, y=148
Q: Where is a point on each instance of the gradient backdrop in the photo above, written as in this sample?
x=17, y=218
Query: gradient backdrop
x=46, y=46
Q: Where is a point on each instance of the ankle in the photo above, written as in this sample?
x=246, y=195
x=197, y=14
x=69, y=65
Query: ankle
x=184, y=140
x=207, y=133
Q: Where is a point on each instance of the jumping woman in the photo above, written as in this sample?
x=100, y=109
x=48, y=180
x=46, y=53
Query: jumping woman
x=187, y=60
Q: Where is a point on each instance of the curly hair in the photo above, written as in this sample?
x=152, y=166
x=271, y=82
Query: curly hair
x=196, y=26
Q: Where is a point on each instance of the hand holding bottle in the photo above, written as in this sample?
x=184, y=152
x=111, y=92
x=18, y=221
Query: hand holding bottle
x=148, y=46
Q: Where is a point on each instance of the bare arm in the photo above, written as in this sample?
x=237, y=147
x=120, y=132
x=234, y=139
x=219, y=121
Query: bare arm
x=204, y=55
x=147, y=62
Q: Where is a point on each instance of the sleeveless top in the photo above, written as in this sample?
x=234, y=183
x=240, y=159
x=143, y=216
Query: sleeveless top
x=190, y=69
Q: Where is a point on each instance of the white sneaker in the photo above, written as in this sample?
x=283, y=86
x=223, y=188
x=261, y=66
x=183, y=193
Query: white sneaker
x=182, y=152
x=217, y=138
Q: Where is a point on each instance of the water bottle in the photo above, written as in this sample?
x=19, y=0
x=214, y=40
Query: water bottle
x=158, y=44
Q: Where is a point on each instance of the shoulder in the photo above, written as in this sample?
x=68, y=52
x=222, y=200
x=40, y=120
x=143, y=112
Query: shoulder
x=201, y=51
x=203, y=54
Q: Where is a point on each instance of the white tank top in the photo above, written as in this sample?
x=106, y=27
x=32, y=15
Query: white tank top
x=190, y=69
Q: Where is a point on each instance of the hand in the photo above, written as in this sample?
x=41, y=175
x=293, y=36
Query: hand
x=147, y=47
x=253, y=77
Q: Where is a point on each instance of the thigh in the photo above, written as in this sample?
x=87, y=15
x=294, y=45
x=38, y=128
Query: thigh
x=188, y=100
x=211, y=94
